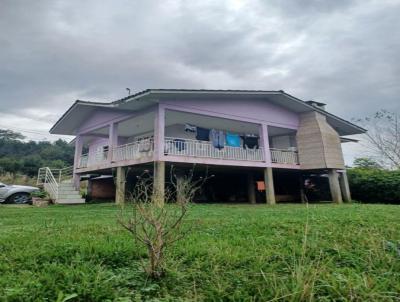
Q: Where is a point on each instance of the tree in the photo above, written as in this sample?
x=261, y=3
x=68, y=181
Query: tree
x=383, y=137
x=154, y=225
x=6, y=134
x=367, y=163
x=17, y=156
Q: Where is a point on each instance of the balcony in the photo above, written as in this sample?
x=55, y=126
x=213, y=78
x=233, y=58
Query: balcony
x=195, y=148
x=143, y=150
x=137, y=150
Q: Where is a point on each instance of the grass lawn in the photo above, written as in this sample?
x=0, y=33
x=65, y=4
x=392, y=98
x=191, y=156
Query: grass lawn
x=237, y=253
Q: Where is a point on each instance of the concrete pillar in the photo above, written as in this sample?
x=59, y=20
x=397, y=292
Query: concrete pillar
x=344, y=186
x=251, y=190
x=77, y=158
x=112, y=140
x=334, y=186
x=159, y=182
x=265, y=143
x=303, y=196
x=159, y=132
x=269, y=186
x=120, y=185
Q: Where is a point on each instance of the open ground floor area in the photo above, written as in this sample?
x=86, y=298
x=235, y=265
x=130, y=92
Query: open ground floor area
x=223, y=184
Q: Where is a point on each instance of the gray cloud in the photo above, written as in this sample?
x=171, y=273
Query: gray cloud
x=346, y=53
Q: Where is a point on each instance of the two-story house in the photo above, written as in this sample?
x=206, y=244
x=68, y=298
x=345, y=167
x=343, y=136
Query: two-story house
x=252, y=141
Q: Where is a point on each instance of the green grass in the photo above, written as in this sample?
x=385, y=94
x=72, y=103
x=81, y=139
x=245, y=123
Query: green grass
x=237, y=253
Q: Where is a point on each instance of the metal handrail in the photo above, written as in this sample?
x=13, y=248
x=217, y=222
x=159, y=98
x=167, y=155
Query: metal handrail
x=51, y=179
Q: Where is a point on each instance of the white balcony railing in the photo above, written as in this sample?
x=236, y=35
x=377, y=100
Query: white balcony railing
x=136, y=150
x=187, y=147
x=91, y=159
x=194, y=148
x=280, y=156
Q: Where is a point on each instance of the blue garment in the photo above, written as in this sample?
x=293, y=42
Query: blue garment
x=217, y=138
x=202, y=134
x=180, y=144
x=232, y=140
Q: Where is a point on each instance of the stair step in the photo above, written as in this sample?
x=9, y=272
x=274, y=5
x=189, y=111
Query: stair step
x=66, y=186
x=70, y=201
x=68, y=191
x=69, y=196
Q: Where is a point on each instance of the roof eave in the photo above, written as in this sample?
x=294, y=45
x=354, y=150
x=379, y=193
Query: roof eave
x=75, y=104
x=362, y=130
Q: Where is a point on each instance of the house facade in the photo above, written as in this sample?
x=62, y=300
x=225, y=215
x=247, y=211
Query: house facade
x=255, y=142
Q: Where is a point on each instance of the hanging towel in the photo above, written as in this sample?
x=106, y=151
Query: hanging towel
x=232, y=140
x=217, y=138
x=260, y=186
x=203, y=134
x=190, y=128
x=250, y=142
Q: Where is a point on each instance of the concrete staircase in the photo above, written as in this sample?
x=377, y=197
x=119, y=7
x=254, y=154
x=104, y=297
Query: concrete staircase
x=68, y=195
x=58, y=184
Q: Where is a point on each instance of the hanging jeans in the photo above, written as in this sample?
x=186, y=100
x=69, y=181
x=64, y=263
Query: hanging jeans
x=179, y=144
x=217, y=138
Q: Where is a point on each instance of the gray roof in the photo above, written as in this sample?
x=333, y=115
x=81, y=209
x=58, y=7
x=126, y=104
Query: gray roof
x=278, y=97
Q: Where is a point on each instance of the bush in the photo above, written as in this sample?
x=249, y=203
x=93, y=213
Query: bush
x=40, y=194
x=375, y=185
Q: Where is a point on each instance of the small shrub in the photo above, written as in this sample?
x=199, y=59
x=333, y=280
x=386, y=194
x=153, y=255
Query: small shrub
x=155, y=225
x=40, y=194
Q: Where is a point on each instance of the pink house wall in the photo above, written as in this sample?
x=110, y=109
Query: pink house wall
x=102, y=117
x=256, y=111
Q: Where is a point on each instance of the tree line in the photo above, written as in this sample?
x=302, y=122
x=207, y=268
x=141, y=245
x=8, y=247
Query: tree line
x=26, y=157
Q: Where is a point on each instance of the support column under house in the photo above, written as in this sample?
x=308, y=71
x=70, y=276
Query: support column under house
x=120, y=185
x=159, y=181
x=344, y=186
x=269, y=186
x=334, y=186
x=251, y=190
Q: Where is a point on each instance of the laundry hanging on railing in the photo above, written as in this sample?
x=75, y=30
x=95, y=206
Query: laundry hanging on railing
x=190, y=128
x=180, y=144
x=250, y=142
x=232, y=140
x=217, y=138
x=202, y=134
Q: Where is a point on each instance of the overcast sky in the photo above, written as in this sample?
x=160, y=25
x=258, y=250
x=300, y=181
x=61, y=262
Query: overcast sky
x=344, y=53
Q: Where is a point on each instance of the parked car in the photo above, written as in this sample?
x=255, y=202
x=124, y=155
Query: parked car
x=16, y=194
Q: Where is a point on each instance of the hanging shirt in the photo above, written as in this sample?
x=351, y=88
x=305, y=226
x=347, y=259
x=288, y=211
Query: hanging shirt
x=260, y=186
x=250, y=142
x=203, y=134
x=232, y=140
x=217, y=138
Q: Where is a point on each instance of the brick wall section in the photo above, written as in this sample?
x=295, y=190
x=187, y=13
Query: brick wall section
x=318, y=143
x=103, y=188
